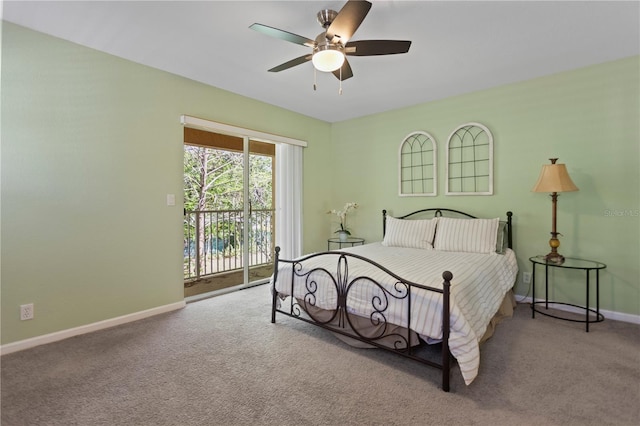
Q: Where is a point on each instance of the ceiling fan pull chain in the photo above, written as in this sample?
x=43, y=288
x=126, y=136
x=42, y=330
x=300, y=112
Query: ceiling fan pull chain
x=314, y=78
x=340, y=91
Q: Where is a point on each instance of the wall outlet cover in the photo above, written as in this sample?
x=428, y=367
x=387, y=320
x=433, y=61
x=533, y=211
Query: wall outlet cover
x=26, y=312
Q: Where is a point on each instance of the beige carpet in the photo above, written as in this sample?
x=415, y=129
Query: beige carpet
x=221, y=362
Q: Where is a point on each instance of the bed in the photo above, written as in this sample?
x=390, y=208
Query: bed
x=439, y=277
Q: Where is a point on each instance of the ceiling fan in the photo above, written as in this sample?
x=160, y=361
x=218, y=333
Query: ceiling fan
x=330, y=46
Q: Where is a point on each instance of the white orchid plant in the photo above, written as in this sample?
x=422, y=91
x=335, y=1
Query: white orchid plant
x=342, y=216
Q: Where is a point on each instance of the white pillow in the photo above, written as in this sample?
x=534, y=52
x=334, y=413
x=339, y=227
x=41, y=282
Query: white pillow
x=410, y=233
x=467, y=235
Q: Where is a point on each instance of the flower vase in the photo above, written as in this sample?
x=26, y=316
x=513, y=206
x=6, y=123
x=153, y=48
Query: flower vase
x=343, y=236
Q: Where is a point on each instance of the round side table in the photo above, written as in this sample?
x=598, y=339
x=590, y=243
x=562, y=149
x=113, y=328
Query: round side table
x=349, y=242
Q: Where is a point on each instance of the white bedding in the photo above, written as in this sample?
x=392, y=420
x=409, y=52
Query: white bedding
x=480, y=282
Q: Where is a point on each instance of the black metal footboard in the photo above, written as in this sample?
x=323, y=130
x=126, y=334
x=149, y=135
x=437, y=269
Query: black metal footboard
x=325, y=295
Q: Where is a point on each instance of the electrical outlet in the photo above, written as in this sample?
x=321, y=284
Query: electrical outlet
x=26, y=312
x=526, y=277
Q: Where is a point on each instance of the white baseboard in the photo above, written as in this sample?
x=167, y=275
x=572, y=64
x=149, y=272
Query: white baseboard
x=100, y=325
x=612, y=315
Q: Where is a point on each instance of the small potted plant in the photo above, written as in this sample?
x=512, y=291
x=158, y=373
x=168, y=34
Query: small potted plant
x=343, y=232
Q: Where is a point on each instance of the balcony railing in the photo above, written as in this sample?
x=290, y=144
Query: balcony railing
x=214, y=241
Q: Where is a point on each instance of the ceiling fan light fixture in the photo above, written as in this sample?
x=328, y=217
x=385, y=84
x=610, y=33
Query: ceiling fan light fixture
x=327, y=58
x=330, y=47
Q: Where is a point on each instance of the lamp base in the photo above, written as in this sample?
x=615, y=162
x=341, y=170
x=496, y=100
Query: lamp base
x=555, y=258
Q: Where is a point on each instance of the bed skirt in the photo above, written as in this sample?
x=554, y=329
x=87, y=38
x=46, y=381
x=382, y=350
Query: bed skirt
x=388, y=339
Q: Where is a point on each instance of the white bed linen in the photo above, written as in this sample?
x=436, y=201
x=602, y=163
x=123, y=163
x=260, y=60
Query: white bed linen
x=480, y=282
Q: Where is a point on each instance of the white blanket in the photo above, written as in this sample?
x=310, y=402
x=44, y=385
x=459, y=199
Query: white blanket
x=480, y=282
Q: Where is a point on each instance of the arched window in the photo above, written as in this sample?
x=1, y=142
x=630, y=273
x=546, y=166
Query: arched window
x=470, y=161
x=417, y=168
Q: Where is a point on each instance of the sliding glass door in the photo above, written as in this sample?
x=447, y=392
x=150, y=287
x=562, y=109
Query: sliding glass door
x=229, y=211
x=243, y=196
x=260, y=211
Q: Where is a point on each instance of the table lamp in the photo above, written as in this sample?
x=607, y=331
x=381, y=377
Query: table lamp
x=554, y=178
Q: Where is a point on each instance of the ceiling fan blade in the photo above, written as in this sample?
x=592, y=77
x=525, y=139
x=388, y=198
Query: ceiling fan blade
x=283, y=35
x=348, y=20
x=376, y=47
x=346, y=71
x=292, y=63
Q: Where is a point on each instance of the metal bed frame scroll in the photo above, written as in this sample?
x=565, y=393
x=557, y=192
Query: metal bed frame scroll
x=340, y=320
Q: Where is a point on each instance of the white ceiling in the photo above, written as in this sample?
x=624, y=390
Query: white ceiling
x=458, y=47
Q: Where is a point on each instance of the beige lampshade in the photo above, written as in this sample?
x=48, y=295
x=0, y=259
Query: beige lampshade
x=554, y=178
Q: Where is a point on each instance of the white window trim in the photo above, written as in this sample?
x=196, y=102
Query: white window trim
x=227, y=129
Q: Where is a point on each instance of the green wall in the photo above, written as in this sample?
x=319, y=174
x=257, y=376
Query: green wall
x=91, y=145
x=588, y=118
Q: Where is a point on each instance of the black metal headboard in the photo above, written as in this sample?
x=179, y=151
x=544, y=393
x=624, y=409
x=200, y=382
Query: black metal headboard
x=439, y=212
